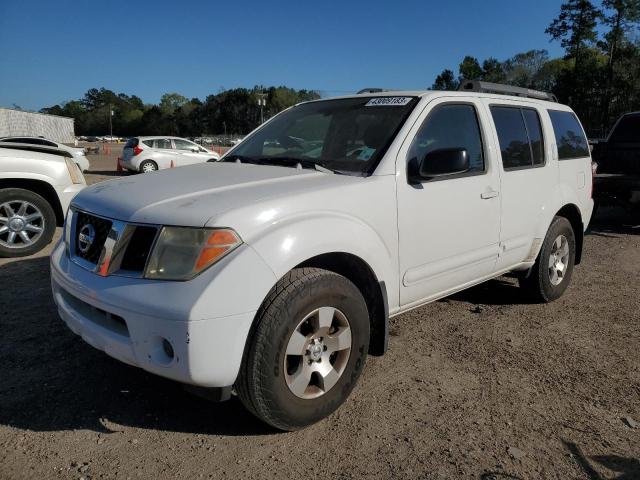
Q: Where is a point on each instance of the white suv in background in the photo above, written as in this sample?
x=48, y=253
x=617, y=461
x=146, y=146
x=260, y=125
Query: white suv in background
x=148, y=154
x=37, y=184
x=273, y=273
x=78, y=153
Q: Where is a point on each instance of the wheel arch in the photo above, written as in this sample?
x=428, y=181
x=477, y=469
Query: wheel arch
x=374, y=292
x=572, y=213
x=42, y=188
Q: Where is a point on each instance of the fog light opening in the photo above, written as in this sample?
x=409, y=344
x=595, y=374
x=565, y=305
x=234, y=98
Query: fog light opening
x=167, y=348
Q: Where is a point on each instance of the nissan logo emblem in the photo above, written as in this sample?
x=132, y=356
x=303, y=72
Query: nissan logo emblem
x=85, y=237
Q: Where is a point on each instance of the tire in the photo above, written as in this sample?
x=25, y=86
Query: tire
x=547, y=282
x=27, y=222
x=271, y=383
x=148, y=166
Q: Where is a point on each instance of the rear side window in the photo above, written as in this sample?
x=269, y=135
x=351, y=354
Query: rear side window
x=148, y=143
x=131, y=143
x=534, y=129
x=569, y=135
x=450, y=126
x=162, y=143
x=627, y=130
x=520, y=135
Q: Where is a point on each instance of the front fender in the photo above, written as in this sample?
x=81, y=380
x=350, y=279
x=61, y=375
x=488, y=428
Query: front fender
x=290, y=242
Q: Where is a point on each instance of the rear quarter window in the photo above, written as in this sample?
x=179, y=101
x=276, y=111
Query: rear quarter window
x=627, y=130
x=570, y=138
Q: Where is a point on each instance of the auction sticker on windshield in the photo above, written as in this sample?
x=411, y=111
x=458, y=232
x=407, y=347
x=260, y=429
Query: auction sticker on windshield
x=388, y=102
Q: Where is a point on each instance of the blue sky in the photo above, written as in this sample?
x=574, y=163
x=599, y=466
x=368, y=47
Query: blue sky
x=55, y=50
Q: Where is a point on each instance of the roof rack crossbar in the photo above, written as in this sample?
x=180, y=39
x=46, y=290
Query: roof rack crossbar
x=373, y=90
x=488, y=87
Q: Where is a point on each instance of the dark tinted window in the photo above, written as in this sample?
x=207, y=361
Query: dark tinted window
x=569, y=136
x=450, y=126
x=627, y=130
x=512, y=134
x=534, y=129
x=30, y=141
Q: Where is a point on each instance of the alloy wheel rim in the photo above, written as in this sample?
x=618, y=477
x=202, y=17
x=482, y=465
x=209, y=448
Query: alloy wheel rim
x=148, y=167
x=21, y=224
x=558, y=260
x=317, y=353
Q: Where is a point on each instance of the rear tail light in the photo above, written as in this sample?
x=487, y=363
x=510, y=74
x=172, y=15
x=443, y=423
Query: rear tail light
x=136, y=150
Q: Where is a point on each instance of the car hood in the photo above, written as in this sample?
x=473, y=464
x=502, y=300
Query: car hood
x=191, y=195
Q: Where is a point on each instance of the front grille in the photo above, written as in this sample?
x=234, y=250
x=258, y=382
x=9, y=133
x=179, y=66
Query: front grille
x=102, y=227
x=115, y=247
x=138, y=249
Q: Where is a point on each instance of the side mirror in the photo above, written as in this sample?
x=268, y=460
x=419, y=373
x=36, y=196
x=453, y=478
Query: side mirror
x=440, y=163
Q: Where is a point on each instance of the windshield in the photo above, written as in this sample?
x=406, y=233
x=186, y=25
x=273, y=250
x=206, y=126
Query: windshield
x=346, y=135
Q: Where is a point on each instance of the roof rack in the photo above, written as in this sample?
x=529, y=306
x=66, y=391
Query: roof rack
x=35, y=148
x=488, y=87
x=373, y=90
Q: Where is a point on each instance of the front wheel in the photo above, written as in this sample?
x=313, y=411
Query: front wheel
x=551, y=274
x=307, y=351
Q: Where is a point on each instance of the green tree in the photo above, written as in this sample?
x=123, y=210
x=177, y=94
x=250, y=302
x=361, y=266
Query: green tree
x=470, y=69
x=445, y=81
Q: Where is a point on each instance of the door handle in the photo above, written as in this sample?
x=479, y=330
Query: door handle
x=489, y=194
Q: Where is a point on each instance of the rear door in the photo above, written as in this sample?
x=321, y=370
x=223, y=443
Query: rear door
x=527, y=175
x=448, y=227
x=164, y=153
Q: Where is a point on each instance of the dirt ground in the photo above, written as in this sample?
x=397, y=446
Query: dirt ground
x=480, y=385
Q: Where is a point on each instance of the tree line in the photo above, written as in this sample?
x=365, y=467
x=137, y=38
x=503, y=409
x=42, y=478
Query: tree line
x=599, y=74
x=229, y=111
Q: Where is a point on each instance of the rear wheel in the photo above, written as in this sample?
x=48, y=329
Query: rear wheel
x=551, y=274
x=307, y=350
x=27, y=222
x=148, y=166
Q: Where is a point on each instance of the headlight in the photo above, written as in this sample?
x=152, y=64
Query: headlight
x=181, y=253
x=74, y=172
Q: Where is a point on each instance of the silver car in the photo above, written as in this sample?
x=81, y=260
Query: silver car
x=147, y=154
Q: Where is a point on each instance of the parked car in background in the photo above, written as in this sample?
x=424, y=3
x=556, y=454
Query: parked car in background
x=617, y=181
x=273, y=273
x=78, y=153
x=36, y=185
x=148, y=154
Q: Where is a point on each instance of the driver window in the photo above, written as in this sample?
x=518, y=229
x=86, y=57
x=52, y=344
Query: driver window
x=450, y=126
x=184, y=145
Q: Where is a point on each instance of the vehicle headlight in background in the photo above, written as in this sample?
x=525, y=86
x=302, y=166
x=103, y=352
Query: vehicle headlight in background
x=74, y=172
x=181, y=253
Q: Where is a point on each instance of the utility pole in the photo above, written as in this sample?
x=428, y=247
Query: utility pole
x=262, y=102
x=110, y=124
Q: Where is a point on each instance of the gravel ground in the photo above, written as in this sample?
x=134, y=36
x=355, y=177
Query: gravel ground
x=479, y=385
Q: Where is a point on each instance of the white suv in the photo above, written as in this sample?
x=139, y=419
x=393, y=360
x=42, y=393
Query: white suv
x=37, y=184
x=148, y=154
x=273, y=273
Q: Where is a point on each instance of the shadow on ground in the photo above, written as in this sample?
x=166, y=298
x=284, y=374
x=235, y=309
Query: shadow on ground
x=53, y=381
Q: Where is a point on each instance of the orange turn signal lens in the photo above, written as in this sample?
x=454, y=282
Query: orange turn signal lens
x=218, y=244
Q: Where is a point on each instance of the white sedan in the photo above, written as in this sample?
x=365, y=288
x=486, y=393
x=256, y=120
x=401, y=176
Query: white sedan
x=148, y=154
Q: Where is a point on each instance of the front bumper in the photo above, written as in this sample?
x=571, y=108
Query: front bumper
x=130, y=319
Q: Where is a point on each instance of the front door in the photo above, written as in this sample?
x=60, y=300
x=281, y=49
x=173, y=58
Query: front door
x=448, y=226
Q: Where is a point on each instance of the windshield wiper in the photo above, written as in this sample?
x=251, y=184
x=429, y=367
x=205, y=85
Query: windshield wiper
x=282, y=162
